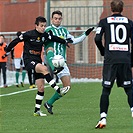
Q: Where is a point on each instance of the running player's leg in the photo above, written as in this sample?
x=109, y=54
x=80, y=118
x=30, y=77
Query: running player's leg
x=128, y=91
x=23, y=72
x=127, y=83
x=39, y=97
x=23, y=76
x=3, y=66
x=64, y=75
x=17, y=69
x=43, y=69
x=31, y=78
x=49, y=57
x=109, y=74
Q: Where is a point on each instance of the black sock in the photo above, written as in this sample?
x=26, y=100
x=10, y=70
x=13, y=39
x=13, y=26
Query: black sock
x=51, y=81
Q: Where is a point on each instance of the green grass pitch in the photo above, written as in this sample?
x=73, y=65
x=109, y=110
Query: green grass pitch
x=76, y=112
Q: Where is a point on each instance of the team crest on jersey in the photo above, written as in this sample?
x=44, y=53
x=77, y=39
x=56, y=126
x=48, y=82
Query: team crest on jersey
x=38, y=39
x=117, y=20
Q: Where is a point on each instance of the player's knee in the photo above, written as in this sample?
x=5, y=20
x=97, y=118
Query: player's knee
x=49, y=49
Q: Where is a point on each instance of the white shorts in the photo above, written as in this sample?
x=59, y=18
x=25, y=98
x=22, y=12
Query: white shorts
x=64, y=72
x=17, y=62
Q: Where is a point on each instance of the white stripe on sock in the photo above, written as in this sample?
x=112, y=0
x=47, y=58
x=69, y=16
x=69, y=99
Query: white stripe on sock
x=38, y=106
x=38, y=97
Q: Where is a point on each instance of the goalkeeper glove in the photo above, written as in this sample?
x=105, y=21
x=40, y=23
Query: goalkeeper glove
x=87, y=32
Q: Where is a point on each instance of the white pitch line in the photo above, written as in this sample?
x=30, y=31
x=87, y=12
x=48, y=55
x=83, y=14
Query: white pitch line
x=13, y=93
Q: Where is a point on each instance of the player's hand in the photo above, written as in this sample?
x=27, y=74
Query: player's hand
x=64, y=90
x=4, y=56
x=50, y=33
x=87, y=32
x=102, y=52
x=68, y=40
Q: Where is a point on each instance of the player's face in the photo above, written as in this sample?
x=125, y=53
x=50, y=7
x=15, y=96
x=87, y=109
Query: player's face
x=56, y=20
x=41, y=27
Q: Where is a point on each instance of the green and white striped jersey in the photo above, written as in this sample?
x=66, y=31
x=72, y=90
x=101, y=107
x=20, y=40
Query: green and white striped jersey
x=60, y=49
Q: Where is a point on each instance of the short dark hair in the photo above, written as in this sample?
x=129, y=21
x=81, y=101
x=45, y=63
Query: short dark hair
x=2, y=36
x=56, y=12
x=40, y=19
x=117, y=6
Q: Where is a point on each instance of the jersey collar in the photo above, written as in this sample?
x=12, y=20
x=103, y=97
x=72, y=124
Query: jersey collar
x=118, y=14
x=56, y=27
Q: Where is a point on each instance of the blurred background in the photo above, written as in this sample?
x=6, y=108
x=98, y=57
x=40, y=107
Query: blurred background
x=84, y=60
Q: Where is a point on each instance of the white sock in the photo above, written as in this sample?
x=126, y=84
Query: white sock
x=132, y=109
x=103, y=114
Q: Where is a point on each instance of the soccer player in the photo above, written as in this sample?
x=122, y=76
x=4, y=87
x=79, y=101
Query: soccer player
x=33, y=42
x=53, y=48
x=117, y=31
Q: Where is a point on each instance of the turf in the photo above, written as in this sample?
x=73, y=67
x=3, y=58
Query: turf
x=76, y=112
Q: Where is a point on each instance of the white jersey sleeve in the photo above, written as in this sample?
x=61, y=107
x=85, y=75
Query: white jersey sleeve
x=77, y=39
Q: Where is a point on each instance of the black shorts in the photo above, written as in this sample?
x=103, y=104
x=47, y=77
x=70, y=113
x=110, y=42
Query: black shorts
x=121, y=72
x=31, y=64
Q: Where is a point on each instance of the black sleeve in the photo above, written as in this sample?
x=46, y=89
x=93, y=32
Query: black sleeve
x=132, y=56
x=12, y=53
x=51, y=37
x=98, y=38
x=132, y=34
x=132, y=46
x=58, y=39
x=12, y=44
x=100, y=47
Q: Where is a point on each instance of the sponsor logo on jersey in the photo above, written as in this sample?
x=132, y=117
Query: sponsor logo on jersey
x=118, y=47
x=32, y=40
x=33, y=63
x=38, y=39
x=117, y=20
